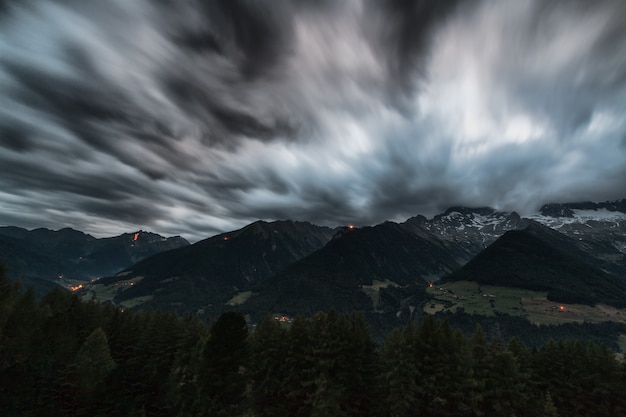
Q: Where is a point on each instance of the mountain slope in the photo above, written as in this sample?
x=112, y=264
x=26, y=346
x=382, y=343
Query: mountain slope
x=31, y=267
x=600, y=228
x=475, y=227
x=42, y=255
x=333, y=277
x=212, y=270
x=107, y=256
x=539, y=258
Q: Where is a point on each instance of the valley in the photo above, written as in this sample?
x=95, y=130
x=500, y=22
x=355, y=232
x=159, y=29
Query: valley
x=106, y=292
x=483, y=264
x=489, y=300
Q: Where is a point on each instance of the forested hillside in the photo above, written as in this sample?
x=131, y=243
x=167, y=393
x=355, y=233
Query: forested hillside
x=61, y=356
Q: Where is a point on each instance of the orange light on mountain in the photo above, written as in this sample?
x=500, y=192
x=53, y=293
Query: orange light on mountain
x=430, y=285
x=351, y=227
x=562, y=308
x=225, y=237
x=136, y=236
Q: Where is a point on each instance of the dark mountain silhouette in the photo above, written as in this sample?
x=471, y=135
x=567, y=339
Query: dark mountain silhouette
x=213, y=270
x=539, y=258
x=333, y=276
x=299, y=267
x=601, y=227
x=567, y=209
x=40, y=256
x=109, y=255
x=32, y=266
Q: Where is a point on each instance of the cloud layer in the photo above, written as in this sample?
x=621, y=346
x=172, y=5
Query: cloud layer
x=193, y=117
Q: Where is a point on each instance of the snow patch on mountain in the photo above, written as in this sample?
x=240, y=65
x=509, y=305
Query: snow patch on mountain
x=476, y=228
x=581, y=217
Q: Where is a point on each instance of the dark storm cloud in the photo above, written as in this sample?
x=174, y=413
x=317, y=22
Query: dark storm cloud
x=77, y=105
x=16, y=138
x=597, y=72
x=228, y=121
x=261, y=31
x=405, y=28
x=196, y=117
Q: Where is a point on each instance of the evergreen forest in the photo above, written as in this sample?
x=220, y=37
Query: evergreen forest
x=61, y=356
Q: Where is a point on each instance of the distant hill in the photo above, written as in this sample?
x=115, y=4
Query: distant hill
x=263, y=267
x=107, y=256
x=44, y=257
x=539, y=258
x=32, y=267
x=298, y=267
x=213, y=270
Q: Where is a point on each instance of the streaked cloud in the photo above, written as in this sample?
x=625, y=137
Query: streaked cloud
x=191, y=117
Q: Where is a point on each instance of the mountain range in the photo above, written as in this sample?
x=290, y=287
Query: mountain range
x=573, y=252
x=541, y=259
x=45, y=258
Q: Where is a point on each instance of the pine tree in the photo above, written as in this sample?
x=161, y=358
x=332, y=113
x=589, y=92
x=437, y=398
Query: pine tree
x=439, y=361
x=399, y=374
x=268, y=350
x=182, y=386
x=549, y=409
x=358, y=368
x=221, y=379
x=93, y=363
x=326, y=389
x=300, y=367
x=8, y=297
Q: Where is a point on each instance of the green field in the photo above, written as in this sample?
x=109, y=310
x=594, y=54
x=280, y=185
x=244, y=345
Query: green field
x=473, y=298
x=487, y=300
x=134, y=302
x=103, y=293
x=373, y=291
x=239, y=298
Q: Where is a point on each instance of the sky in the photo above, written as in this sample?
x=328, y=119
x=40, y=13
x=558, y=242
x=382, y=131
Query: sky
x=190, y=117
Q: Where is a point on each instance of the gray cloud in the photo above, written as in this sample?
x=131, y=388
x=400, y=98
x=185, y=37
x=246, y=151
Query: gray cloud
x=193, y=117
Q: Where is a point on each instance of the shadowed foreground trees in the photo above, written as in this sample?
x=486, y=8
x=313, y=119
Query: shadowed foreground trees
x=63, y=357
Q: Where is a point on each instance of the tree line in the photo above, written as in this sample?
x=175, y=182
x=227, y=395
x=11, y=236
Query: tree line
x=61, y=356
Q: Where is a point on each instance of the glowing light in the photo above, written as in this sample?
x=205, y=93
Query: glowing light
x=562, y=308
x=351, y=227
x=283, y=318
x=430, y=285
x=136, y=236
x=225, y=237
x=76, y=287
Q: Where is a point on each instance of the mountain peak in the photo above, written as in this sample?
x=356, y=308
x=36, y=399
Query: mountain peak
x=556, y=210
x=534, y=226
x=569, y=210
x=542, y=259
x=483, y=211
